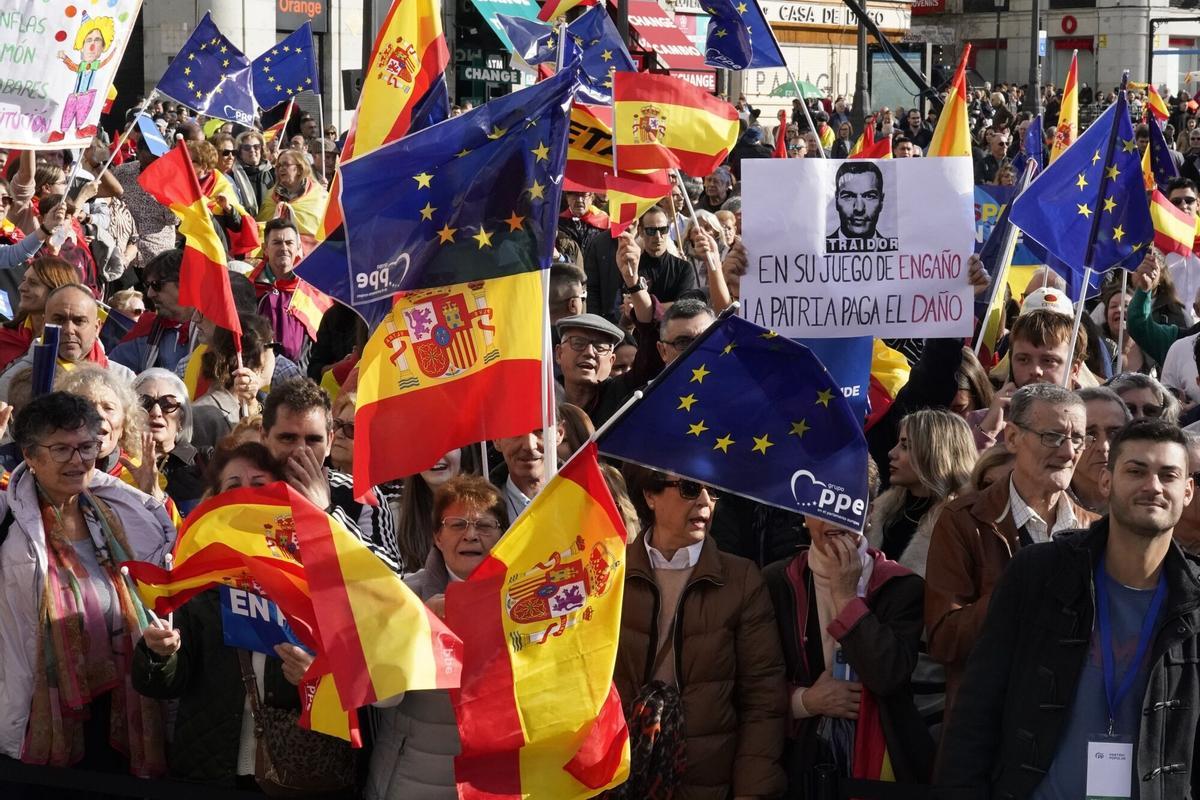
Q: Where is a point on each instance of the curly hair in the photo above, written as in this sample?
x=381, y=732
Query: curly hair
x=203, y=155
x=298, y=395
x=85, y=381
x=102, y=25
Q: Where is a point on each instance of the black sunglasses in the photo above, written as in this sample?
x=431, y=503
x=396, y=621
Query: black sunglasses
x=345, y=426
x=166, y=403
x=690, y=490
x=226, y=152
x=652, y=230
x=157, y=286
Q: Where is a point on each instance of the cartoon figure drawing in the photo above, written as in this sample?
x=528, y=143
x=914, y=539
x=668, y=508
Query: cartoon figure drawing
x=93, y=39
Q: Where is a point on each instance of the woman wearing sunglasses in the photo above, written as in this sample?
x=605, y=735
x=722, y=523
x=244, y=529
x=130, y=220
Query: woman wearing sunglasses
x=164, y=398
x=698, y=638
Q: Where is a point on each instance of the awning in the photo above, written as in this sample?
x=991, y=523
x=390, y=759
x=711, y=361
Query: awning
x=657, y=31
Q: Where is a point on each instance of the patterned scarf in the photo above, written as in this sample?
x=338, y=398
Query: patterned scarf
x=78, y=659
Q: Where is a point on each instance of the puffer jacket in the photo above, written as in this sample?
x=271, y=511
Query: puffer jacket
x=207, y=679
x=1020, y=683
x=417, y=739
x=23, y=565
x=729, y=668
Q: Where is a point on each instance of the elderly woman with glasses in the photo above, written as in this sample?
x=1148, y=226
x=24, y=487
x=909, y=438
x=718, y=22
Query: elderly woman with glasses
x=69, y=621
x=417, y=737
x=1145, y=397
x=164, y=398
x=297, y=190
x=698, y=636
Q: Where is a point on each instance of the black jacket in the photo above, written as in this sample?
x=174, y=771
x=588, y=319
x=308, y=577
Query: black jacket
x=669, y=277
x=1020, y=681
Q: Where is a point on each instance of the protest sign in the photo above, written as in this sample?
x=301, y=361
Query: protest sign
x=252, y=622
x=57, y=61
x=853, y=248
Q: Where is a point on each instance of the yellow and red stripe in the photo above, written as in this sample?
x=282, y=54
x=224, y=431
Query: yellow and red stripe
x=1068, y=111
x=662, y=122
x=952, y=136
x=537, y=712
x=631, y=196
x=308, y=305
x=553, y=9
x=1174, y=229
x=204, y=274
x=589, y=148
x=1154, y=101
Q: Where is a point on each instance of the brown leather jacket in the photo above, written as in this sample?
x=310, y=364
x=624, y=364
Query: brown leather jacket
x=729, y=666
x=973, y=541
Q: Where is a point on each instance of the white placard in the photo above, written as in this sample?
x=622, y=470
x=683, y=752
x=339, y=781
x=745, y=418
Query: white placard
x=858, y=248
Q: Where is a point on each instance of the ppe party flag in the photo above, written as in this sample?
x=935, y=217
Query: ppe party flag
x=1158, y=168
x=589, y=148
x=756, y=414
x=476, y=197
x=1174, y=228
x=663, y=122
x=448, y=366
x=1067, y=128
x=204, y=273
x=630, y=196
x=211, y=76
x=287, y=69
x=739, y=36
x=952, y=136
x=553, y=9
x=58, y=60
x=538, y=715
x=1088, y=209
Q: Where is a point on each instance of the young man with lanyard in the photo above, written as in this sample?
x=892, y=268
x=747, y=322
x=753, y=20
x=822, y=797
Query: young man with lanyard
x=1086, y=679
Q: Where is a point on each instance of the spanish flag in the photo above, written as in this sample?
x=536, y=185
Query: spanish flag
x=867, y=147
x=1154, y=102
x=631, y=196
x=448, y=367
x=276, y=131
x=589, y=148
x=1174, y=229
x=204, y=274
x=540, y=618
x=553, y=9
x=662, y=122
x=308, y=305
x=952, y=136
x=1068, y=111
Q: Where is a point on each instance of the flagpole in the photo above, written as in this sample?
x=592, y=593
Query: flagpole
x=1121, y=332
x=804, y=107
x=1007, y=248
x=321, y=136
x=128, y=130
x=1087, y=279
x=549, y=411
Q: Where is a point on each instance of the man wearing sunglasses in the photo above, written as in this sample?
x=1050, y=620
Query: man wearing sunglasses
x=161, y=338
x=654, y=270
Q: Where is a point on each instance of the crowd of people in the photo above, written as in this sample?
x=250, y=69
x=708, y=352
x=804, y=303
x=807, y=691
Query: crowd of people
x=1030, y=529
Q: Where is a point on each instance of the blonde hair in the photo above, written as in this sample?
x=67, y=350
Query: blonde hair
x=305, y=168
x=941, y=450
x=102, y=25
x=86, y=379
x=995, y=456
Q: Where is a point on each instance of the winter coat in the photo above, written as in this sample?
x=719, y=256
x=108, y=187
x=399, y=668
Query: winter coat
x=1019, y=689
x=23, y=565
x=417, y=739
x=728, y=666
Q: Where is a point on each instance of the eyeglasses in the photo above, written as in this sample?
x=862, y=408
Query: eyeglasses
x=228, y=153
x=62, y=453
x=656, y=230
x=345, y=426
x=681, y=343
x=251, y=147
x=157, y=286
x=1180, y=202
x=1054, y=440
x=5, y=200
x=166, y=402
x=1148, y=410
x=487, y=527
x=690, y=490
x=581, y=343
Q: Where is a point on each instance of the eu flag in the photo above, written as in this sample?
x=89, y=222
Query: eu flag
x=1162, y=166
x=739, y=36
x=474, y=197
x=287, y=69
x=211, y=76
x=532, y=40
x=755, y=414
x=1034, y=149
x=592, y=34
x=1088, y=209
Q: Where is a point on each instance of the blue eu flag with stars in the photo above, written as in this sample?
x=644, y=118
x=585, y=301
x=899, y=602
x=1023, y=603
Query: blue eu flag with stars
x=1162, y=166
x=211, y=76
x=471, y=198
x=739, y=36
x=593, y=34
x=1088, y=209
x=287, y=69
x=756, y=414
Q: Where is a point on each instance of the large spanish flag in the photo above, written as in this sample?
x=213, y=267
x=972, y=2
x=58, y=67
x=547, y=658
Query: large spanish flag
x=540, y=619
x=1068, y=111
x=1174, y=228
x=449, y=367
x=204, y=274
x=631, y=196
x=952, y=136
x=663, y=122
